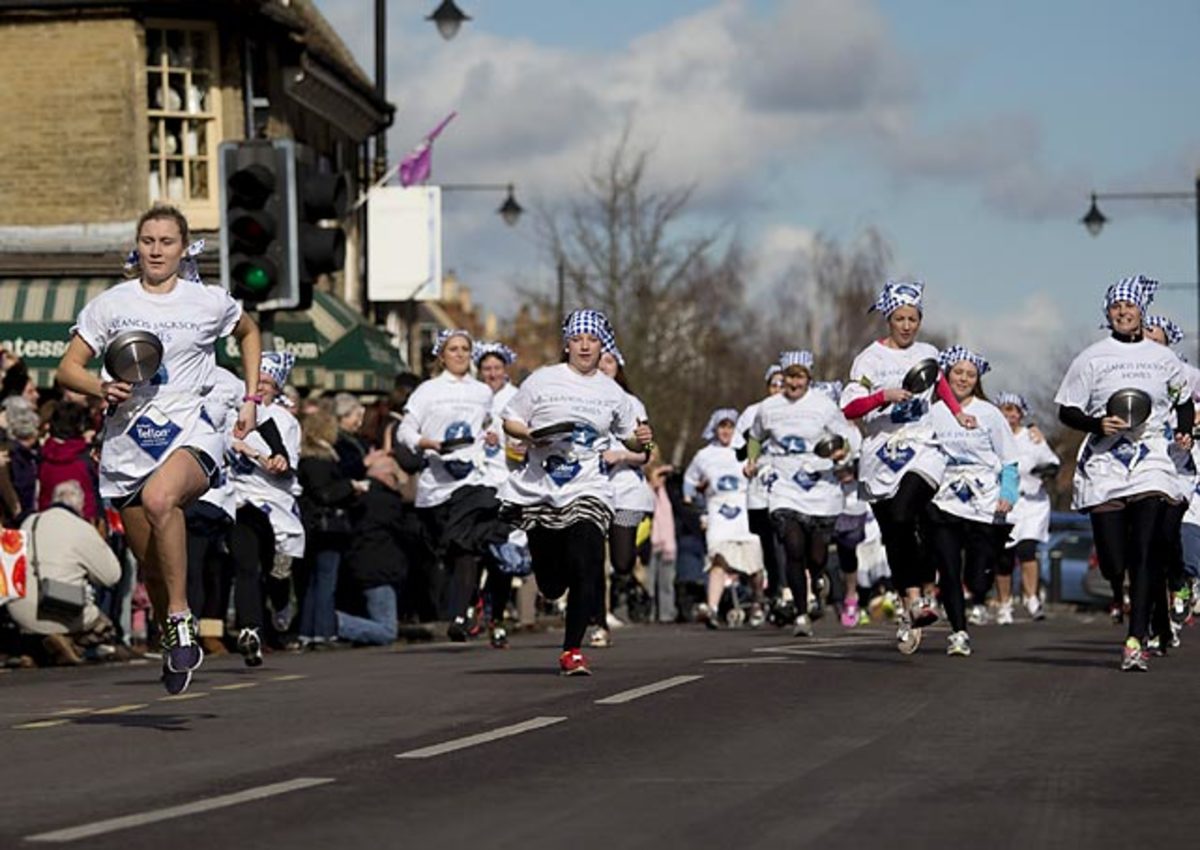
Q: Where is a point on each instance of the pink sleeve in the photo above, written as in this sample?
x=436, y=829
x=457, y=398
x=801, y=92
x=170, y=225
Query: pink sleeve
x=947, y=395
x=860, y=407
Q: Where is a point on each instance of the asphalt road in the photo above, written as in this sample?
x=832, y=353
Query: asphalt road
x=682, y=738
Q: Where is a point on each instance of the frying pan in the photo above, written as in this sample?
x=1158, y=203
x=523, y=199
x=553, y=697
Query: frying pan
x=921, y=377
x=552, y=430
x=133, y=357
x=828, y=445
x=1131, y=404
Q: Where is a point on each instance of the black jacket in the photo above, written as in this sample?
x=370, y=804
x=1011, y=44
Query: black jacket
x=377, y=553
x=327, y=493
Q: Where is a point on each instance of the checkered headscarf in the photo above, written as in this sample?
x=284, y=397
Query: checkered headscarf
x=278, y=366
x=897, y=294
x=445, y=335
x=721, y=414
x=833, y=389
x=772, y=370
x=483, y=349
x=590, y=322
x=615, y=352
x=796, y=357
x=1015, y=399
x=1172, y=330
x=957, y=354
x=1137, y=290
x=189, y=269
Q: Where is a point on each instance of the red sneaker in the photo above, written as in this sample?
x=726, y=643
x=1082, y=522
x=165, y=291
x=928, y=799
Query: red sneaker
x=572, y=663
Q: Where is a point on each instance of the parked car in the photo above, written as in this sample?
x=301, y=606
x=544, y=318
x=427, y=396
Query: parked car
x=1082, y=582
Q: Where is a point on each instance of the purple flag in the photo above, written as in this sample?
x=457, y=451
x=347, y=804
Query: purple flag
x=418, y=163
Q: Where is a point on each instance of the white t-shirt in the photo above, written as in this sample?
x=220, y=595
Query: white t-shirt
x=448, y=408
x=974, y=458
x=630, y=490
x=789, y=430
x=717, y=468
x=567, y=467
x=164, y=413
x=1030, y=516
x=898, y=438
x=1128, y=462
x=756, y=495
x=274, y=495
x=495, y=464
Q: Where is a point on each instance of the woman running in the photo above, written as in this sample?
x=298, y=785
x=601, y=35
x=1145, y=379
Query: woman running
x=1124, y=475
x=1030, y=516
x=570, y=414
x=805, y=497
x=161, y=450
x=900, y=467
x=733, y=549
x=782, y=613
x=969, y=515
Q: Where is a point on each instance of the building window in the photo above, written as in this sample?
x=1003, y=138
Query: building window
x=181, y=103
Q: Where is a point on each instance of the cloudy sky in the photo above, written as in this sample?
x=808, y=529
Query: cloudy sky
x=968, y=132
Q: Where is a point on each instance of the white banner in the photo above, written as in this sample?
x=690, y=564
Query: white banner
x=404, y=243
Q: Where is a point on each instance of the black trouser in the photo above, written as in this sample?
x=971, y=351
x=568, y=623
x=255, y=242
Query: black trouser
x=207, y=554
x=568, y=560
x=963, y=550
x=900, y=523
x=463, y=581
x=497, y=589
x=252, y=545
x=1125, y=538
x=622, y=554
x=760, y=525
x=806, y=544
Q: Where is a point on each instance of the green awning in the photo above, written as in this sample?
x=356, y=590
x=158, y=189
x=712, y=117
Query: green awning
x=335, y=347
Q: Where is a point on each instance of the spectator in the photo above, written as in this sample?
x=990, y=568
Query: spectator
x=63, y=546
x=376, y=563
x=19, y=383
x=23, y=426
x=66, y=456
x=660, y=575
x=350, y=448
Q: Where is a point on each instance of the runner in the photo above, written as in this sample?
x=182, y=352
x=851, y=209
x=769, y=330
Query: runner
x=1030, y=516
x=783, y=609
x=732, y=549
x=969, y=515
x=1124, y=474
x=570, y=414
x=900, y=467
x=797, y=430
x=161, y=451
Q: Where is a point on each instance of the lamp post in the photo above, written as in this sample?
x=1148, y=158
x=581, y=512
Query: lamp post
x=510, y=211
x=1094, y=221
x=448, y=18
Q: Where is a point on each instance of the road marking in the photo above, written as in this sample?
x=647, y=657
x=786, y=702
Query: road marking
x=811, y=653
x=182, y=697
x=121, y=709
x=41, y=724
x=481, y=738
x=71, y=712
x=89, y=830
x=237, y=686
x=646, y=690
x=760, y=659
x=290, y=677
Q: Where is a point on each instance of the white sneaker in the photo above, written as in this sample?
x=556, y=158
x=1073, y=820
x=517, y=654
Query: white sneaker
x=908, y=639
x=599, y=638
x=613, y=621
x=1004, y=614
x=959, y=644
x=1033, y=604
x=803, y=627
x=977, y=616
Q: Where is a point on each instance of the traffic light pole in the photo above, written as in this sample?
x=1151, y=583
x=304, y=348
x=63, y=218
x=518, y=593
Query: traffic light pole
x=266, y=329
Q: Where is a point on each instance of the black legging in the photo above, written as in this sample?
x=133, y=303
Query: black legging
x=463, y=581
x=622, y=554
x=806, y=543
x=900, y=523
x=252, y=545
x=568, y=560
x=760, y=525
x=1125, y=539
x=497, y=589
x=963, y=549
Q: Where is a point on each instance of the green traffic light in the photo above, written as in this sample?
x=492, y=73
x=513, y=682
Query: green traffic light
x=257, y=279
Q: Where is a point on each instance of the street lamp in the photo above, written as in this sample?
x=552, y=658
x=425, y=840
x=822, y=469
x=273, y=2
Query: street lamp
x=448, y=18
x=1094, y=221
x=510, y=211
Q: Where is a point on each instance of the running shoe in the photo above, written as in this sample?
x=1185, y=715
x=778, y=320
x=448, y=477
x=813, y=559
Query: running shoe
x=1116, y=612
x=959, y=643
x=803, y=627
x=457, y=630
x=499, y=636
x=1034, y=607
x=1176, y=641
x=283, y=618
x=923, y=612
x=250, y=646
x=1181, y=604
x=175, y=683
x=1154, y=646
x=181, y=643
x=850, y=615
x=978, y=615
x=757, y=616
x=572, y=663
x=1133, y=658
x=908, y=638
x=707, y=616
x=1004, y=614
x=600, y=638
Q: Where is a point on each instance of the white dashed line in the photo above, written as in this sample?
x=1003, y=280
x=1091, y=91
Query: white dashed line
x=646, y=690
x=759, y=659
x=481, y=738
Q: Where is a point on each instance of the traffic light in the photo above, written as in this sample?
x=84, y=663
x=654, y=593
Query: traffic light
x=259, y=261
x=322, y=202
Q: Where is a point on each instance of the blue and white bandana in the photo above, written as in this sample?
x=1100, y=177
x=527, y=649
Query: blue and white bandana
x=721, y=414
x=445, y=335
x=832, y=389
x=591, y=322
x=796, y=357
x=1172, y=330
x=189, y=270
x=278, y=366
x=772, y=370
x=1015, y=399
x=897, y=294
x=957, y=354
x=483, y=349
x=611, y=348
x=1137, y=290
